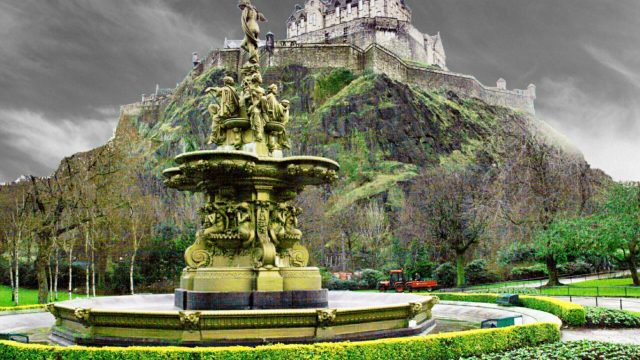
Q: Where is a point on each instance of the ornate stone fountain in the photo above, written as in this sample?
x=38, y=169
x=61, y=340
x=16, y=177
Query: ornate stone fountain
x=247, y=279
x=248, y=254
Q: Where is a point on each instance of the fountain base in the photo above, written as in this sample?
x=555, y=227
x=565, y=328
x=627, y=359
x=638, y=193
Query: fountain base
x=153, y=320
x=255, y=300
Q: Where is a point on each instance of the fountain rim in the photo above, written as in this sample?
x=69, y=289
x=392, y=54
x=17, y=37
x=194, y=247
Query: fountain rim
x=204, y=154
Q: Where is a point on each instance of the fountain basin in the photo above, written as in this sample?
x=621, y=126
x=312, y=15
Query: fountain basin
x=153, y=320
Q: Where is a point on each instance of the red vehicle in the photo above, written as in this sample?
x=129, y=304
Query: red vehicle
x=401, y=283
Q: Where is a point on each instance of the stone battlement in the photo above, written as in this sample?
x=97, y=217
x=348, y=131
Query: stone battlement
x=379, y=60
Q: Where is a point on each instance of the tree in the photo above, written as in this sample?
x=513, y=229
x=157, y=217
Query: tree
x=616, y=228
x=372, y=231
x=449, y=203
x=622, y=225
x=543, y=183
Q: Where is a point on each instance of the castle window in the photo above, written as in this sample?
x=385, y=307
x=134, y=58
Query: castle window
x=326, y=37
x=346, y=31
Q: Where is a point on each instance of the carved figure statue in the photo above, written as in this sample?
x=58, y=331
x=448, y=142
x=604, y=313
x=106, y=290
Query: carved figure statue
x=216, y=137
x=227, y=98
x=250, y=18
x=245, y=224
x=278, y=219
x=291, y=224
x=273, y=109
x=256, y=111
x=216, y=222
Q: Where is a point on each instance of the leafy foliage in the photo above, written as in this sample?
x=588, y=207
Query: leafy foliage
x=579, y=350
x=447, y=346
x=610, y=318
x=477, y=272
x=445, y=274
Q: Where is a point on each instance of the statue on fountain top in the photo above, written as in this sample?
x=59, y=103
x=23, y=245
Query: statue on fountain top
x=250, y=18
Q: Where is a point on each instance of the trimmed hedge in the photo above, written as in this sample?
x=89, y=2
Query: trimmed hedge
x=578, y=350
x=440, y=346
x=570, y=314
x=23, y=307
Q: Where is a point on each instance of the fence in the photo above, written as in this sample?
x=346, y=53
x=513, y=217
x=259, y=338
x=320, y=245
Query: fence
x=533, y=283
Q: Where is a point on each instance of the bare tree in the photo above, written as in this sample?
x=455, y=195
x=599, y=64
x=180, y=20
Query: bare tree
x=448, y=203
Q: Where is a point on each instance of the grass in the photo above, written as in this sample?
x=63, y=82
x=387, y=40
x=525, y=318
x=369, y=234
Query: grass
x=27, y=296
x=605, y=282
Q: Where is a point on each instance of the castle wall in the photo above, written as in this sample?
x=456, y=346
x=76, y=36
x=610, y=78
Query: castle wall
x=379, y=60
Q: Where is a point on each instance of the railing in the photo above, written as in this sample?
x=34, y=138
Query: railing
x=541, y=281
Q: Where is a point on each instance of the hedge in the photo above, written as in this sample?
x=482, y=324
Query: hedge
x=571, y=314
x=440, y=346
x=20, y=308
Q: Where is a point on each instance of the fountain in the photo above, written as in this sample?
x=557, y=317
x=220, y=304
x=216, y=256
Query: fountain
x=247, y=279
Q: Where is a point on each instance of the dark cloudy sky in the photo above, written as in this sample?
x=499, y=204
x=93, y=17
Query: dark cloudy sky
x=67, y=65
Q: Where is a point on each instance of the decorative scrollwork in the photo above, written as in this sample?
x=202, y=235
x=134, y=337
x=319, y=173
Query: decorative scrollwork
x=197, y=256
x=414, y=309
x=326, y=317
x=299, y=256
x=83, y=315
x=190, y=320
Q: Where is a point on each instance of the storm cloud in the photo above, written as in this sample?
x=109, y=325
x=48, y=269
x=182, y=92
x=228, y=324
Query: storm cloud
x=67, y=65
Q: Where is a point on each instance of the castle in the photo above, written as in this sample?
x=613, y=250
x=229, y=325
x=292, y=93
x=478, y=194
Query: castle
x=366, y=35
x=365, y=22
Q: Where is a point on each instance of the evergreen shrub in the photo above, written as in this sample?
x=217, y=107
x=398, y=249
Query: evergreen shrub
x=429, y=347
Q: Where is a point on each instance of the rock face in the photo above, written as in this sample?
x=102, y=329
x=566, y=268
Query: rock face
x=382, y=132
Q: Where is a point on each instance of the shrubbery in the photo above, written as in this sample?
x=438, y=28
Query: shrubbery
x=371, y=278
x=337, y=284
x=22, y=307
x=477, y=272
x=578, y=350
x=609, y=318
x=430, y=347
x=445, y=274
x=578, y=267
x=528, y=272
x=516, y=253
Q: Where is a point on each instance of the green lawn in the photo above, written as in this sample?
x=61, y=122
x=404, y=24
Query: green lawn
x=27, y=296
x=605, y=287
x=505, y=284
x=605, y=282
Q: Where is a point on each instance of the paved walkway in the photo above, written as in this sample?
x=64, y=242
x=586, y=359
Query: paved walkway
x=630, y=304
x=19, y=323
x=574, y=279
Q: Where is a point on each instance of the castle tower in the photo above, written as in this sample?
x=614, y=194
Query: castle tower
x=386, y=23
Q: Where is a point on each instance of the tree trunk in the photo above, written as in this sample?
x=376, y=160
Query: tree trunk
x=50, y=280
x=552, y=268
x=70, y=273
x=16, y=296
x=93, y=272
x=133, y=260
x=460, y=269
x=13, y=286
x=633, y=268
x=57, y=274
x=43, y=285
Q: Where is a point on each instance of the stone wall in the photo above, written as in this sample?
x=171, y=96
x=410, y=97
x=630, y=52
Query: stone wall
x=377, y=59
